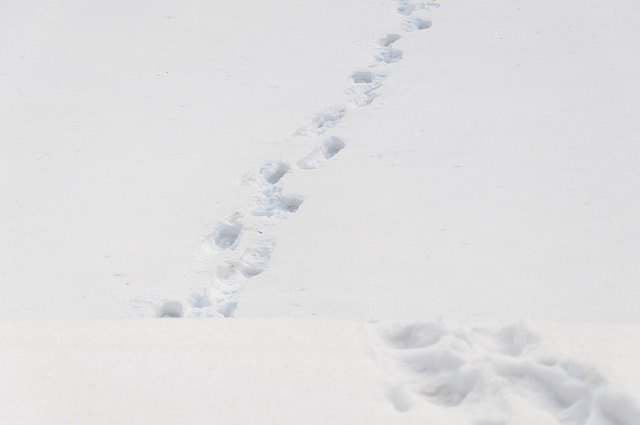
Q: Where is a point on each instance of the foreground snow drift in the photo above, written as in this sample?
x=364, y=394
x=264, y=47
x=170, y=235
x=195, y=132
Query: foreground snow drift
x=288, y=371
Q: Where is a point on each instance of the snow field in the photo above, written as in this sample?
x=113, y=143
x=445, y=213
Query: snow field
x=460, y=168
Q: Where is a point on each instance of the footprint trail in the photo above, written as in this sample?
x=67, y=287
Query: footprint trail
x=241, y=247
x=488, y=374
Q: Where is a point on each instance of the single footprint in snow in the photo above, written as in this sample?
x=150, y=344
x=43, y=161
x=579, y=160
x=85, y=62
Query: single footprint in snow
x=404, y=7
x=273, y=171
x=220, y=300
x=322, y=122
x=415, y=24
x=226, y=235
x=366, y=83
x=388, y=55
x=271, y=202
x=367, y=77
x=257, y=256
x=389, y=39
x=171, y=308
x=427, y=4
x=329, y=148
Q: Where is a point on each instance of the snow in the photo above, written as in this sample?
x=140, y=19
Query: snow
x=498, y=375
x=289, y=371
x=380, y=212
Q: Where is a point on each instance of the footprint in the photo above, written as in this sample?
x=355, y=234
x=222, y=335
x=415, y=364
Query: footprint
x=271, y=202
x=227, y=308
x=329, y=148
x=332, y=146
x=322, y=122
x=361, y=98
x=366, y=82
x=415, y=24
x=257, y=256
x=227, y=270
x=220, y=300
x=404, y=7
x=428, y=5
x=273, y=171
x=171, y=309
x=388, y=55
x=226, y=235
x=389, y=39
x=414, y=335
x=362, y=77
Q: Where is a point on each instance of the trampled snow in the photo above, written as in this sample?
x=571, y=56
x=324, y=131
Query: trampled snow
x=342, y=162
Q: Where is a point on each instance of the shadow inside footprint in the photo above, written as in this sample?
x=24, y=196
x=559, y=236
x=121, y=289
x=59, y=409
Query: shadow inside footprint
x=329, y=148
x=389, y=55
x=257, y=256
x=322, y=122
x=171, y=309
x=273, y=171
x=362, y=77
x=291, y=204
x=415, y=24
x=389, y=40
x=271, y=202
x=404, y=7
x=332, y=146
x=226, y=235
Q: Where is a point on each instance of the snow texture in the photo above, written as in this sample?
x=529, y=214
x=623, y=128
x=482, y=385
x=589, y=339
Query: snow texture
x=228, y=160
x=492, y=375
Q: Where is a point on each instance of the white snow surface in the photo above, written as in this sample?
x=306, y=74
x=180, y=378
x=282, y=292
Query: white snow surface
x=292, y=371
x=413, y=212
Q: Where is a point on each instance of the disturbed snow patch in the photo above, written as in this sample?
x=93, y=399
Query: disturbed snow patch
x=407, y=7
x=329, y=148
x=415, y=24
x=273, y=171
x=171, y=309
x=489, y=374
x=322, y=122
x=257, y=256
x=226, y=235
x=267, y=205
x=365, y=84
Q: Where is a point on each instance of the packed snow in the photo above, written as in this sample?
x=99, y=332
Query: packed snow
x=320, y=212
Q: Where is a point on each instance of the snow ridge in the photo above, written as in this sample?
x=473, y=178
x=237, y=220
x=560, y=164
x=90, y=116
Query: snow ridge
x=268, y=203
x=491, y=376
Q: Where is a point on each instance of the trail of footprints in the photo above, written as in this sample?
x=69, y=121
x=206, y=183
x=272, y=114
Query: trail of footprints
x=486, y=371
x=247, y=231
